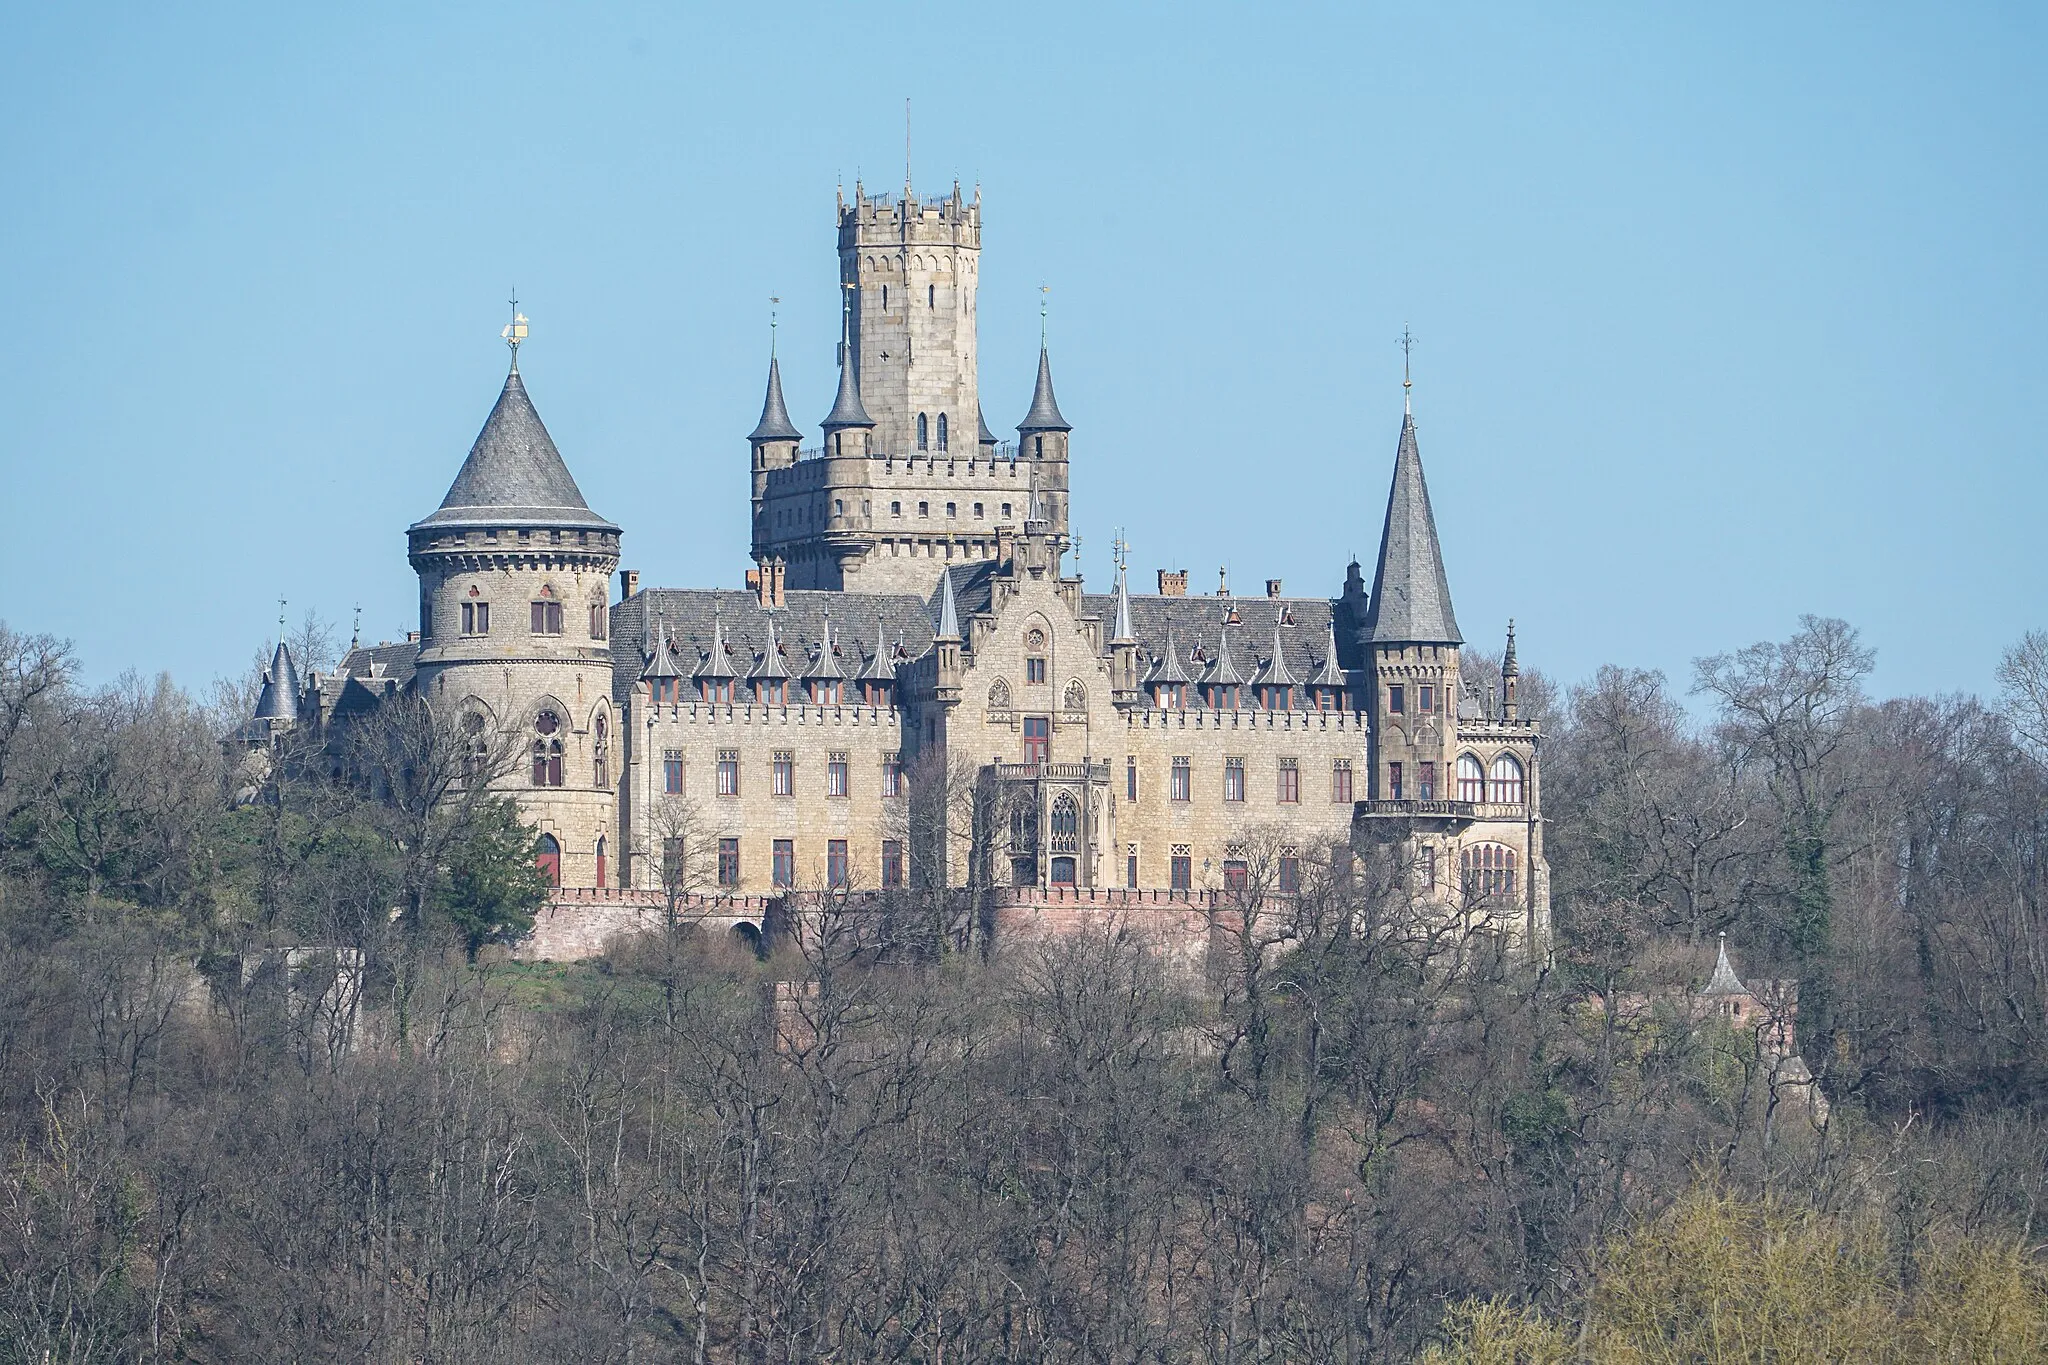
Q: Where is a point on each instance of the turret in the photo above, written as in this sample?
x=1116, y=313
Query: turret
x=1510, y=680
x=774, y=439
x=946, y=642
x=1042, y=438
x=1123, y=645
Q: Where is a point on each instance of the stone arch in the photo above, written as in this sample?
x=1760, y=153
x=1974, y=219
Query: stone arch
x=1075, y=698
x=1066, y=824
x=999, y=696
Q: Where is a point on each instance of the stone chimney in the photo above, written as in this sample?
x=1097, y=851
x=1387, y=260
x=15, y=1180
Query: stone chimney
x=629, y=583
x=1173, y=582
x=766, y=583
x=1272, y=587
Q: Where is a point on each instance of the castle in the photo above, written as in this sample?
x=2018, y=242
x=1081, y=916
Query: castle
x=908, y=620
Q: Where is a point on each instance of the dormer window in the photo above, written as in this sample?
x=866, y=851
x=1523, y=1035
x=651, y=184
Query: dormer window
x=825, y=692
x=772, y=692
x=714, y=689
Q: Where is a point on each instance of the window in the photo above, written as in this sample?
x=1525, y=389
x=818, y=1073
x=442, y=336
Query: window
x=1168, y=696
x=476, y=751
x=1180, y=786
x=825, y=692
x=1131, y=778
x=835, y=862
x=601, y=754
x=1425, y=698
x=548, y=859
x=923, y=433
x=1233, y=779
x=1290, y=874
x=1037, y=447
x=892, y=776
x=1290, y=781
x=1237, y=875
x=1223, y=696
x=924, y=509
x=600, y=621
x=1393, y=782
x=782, y=773
x=835, y=774
x=892, y=862
x=1034, y=670
x=1340, y=781
x=476, y=618
x=977, y=511
x=784, y=870
x=547, y=618
x=1276, y=698
x=1471, y=779
x=1506, y=781
x=1489, y=870
x=547, y=750
x=602, y=848
x=728, y=772
x=728, y=862
x=1066, y=824
x=952, y=509
x=1429, y=869
x=1037, y=739
x=1062, y=871
x=1425, y=781
x=1397, y=699
x=1131, y=871
x=885, y=298
x=931, y=300
x=895, y=509
x=942, y=431
x=1006, y=511
x=672, y=772
x=1183, y=873
x=772, y=692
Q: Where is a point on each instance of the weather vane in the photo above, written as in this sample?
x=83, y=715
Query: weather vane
x=1119, y=550
x=280, y=618
x=515, y=330
x=773, y=301
x=1407, y=383
x=1043, y=290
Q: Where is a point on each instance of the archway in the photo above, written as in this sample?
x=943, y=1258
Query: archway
x=549, y=859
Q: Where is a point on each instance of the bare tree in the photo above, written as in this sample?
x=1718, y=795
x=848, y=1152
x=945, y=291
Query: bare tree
x=682, y=846
x=2023, y=688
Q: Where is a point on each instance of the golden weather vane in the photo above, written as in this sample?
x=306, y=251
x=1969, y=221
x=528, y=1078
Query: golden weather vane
x=515, y=330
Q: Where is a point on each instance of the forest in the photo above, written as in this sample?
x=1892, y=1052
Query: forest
x=273, y=1088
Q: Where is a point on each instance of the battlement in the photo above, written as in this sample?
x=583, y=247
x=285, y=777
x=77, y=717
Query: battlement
x=880, y=220
x=847, y=715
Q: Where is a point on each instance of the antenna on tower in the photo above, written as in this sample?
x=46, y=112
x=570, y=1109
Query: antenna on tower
x=906, y=148
x=1407, y=382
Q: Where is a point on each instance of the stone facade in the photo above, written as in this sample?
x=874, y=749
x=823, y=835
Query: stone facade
x=909, y=619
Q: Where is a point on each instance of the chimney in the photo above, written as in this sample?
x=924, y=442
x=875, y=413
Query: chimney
x=1272, y=587
x=770, y=583
x=1223, y=582
x=629, y=583
x=412, y=637
x=754, y=581
x=1173, y=582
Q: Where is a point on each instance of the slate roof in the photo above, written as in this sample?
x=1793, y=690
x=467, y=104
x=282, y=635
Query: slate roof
x=847, y=410
x=279, y=699
x=1411, y=598
x=386, y=660
x=514, y=474
x=1273, y=670
x=1724, y=981
x=1223, y=669
x=774, y=424
x=987, y=437
x=1045, y=410
x=662, y=661
x=1304, y=643
x=694, y=614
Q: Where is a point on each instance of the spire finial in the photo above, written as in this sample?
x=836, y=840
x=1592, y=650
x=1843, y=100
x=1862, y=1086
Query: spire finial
x=355, y=631
x=280, y=619
x=1407, y=381
x=1043, y=291
x=774, y=300
x=515, y=331
x=1119, y=550
x=906, y=149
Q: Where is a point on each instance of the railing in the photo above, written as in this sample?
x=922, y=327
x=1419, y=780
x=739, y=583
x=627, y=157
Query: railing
x=1057, y=772
x=1457, y=810
x=1110, y=895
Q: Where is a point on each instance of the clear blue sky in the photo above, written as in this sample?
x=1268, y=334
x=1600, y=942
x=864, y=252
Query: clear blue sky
x=1724, y=314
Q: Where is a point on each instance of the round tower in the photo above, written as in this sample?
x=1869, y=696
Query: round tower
x=514, y=572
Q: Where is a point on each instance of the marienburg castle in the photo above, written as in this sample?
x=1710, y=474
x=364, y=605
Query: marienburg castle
x=908, y=620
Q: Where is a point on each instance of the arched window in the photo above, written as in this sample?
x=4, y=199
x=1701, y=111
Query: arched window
x=1024, y=829
x=602, y=760
x=476, y=755
x=1471, y=779
x=548, y=858
x=1506, y=781
x=931, y=300
x=547, y=750
x=1489, y=870
x=1066, y=825
x=923, y=433
x=942, y=431
x=600, y=862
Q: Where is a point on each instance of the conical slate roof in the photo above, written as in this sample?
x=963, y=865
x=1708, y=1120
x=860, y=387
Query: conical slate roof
x=1724, y=981
x=661, y=660
x=949, y=610
x=826, y=665
x=775, y=424
x=846, y=408
x=1276, y=673
x=1411, y=598
x=514, y=475
x=1045, y=410
x=1121, y=630
x=716, y=661
x=987, y=437
x=1328, y=673
x=1223, y=669
x=279, y=699
x=770, y=665
x=881, y=665
x=1167, y=667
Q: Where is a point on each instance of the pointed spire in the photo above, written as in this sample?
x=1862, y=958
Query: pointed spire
x=1508, y=667
x=881, y=665
x=774, y=424
x=1045, y=410
x=770, y=664
x=1329, y=673
x=1411, y=598
x=826, y=665
x=949, y=610
x=846, y=408
x=279, y=699
x=715, y=663
x=1167, y=667
x=1121, y=631
x=661, y=659
x=1223, y=670
x=1277, y=673
x=1724, y=981
x=987, y=437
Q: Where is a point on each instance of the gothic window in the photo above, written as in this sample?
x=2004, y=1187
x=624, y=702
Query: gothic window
x=602, y=754
x=999, y=696
x=1506, y=780
x=1181, y=784
x=1034, y=669
x=1425, y=781
x=1024, y=829
x=892, y=775
x=1233, y=779
x=602, y=847
x=942, y=432
x=1471, y=779
x=783, y=869
x=1290, y=782
x=1489, y=870
x=547, y=750
x=600, y=621
x=923, y=433
x=1340, y=781
x=892, y=863
x=1037, y=739
x=728, y=772
x=835, y=862
x=548, y=858
x=782, y=774
x=476, y=758
x=1237, y=874
x=1077, y=697
x=1182, y=871
x=728, y=862
x=672, y=772
x=1066, y=825
x=835, y=774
